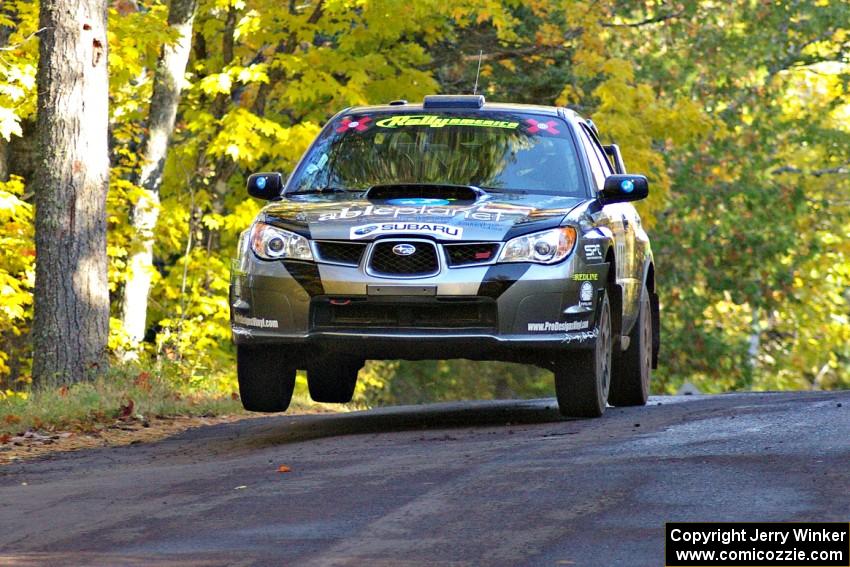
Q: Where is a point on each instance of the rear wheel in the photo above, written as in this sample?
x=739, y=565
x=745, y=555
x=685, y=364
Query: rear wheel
x=332, y=380
x=266, y=378
x=582, y=379
x=632, y=369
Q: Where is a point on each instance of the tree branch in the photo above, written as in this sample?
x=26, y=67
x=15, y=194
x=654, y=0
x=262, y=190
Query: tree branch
x=23, y=41
x=838, y=170
x=647, y=21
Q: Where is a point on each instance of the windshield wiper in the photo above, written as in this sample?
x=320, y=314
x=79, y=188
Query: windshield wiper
x=321, y=191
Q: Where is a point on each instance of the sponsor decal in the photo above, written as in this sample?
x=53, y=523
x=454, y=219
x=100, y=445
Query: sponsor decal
x=417, y=202
x=261, y=183
x=586, y=293
x=593, y=251
x=255, y=322
x=444, y=231
x=361, y=231
x=557, y=326
x=580, y=337
x=585, y=277
x=627, y=185
x=535, y=127
x=357, y=124
x=490, y=212
x=432, y=121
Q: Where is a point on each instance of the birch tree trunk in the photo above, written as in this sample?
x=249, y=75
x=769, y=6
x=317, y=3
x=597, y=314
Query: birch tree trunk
x=71, y=323
x=168, y=82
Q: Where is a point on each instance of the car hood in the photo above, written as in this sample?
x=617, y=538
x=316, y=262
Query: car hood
x=493, y=216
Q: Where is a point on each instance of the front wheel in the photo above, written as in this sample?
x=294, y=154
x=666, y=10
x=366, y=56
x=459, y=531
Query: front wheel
x=266, y=378
x=332, y=380
x=632, y=369
x=582, y=379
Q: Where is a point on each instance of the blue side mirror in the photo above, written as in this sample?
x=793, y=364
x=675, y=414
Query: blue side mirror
x=622, y=188
x=266, y=186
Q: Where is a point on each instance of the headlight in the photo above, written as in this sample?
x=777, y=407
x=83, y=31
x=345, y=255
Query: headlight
x=272, y=243
x=545, y=247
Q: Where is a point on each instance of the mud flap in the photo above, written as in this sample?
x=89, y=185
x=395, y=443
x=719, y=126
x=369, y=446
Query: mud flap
x=655, y=309
x=615, y=300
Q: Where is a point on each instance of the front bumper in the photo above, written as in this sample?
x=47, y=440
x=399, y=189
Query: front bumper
x=491, y=312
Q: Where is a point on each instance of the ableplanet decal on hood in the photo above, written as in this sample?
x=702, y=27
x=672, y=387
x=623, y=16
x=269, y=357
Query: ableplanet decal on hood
x=333, y=217
x=488, y=211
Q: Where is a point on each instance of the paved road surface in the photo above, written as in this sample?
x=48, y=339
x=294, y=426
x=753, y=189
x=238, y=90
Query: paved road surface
x=484, y=483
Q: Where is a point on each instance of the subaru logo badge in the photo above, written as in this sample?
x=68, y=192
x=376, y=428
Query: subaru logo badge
x=404, y=249
x=364, y=230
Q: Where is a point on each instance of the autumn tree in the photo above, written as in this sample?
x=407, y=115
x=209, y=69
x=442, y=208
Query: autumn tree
x=8, y=23
x=71, y=322
x=168, y=83
x=738, y=112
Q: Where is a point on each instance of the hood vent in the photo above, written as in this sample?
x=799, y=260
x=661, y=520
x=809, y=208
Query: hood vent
x=462, y=193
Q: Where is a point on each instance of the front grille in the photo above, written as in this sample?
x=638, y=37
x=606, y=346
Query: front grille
x=467, y=254
x=341, y=252
x=336, y=314
x=422, y=262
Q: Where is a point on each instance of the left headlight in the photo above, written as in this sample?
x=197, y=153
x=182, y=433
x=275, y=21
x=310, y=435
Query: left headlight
x=272, y=243
x=545, y=247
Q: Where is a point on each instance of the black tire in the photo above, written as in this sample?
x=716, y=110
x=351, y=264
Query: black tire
x=266, y=378
x=332, y=380
x=582, y=379
x=632, y=369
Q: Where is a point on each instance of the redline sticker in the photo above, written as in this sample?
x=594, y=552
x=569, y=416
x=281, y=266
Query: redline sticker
x=585, y=277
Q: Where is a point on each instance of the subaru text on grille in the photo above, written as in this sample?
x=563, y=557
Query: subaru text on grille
x=448, y=229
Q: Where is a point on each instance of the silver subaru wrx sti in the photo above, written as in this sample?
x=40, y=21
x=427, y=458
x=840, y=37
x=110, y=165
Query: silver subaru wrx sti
x=448, y=229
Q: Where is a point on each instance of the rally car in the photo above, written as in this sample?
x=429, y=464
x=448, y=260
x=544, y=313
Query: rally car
x=453, y=228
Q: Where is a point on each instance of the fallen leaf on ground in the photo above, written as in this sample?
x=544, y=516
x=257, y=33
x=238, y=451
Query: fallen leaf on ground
x=283, y=468
x=143, y=381
x=125, y=411
x=5, y=438
x=33, y=435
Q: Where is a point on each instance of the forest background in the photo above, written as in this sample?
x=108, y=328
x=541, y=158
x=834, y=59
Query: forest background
x=738, y=112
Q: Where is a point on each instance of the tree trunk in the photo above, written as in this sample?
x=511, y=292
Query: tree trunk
x=4, y=160
x=71, y=323
x=168, y=81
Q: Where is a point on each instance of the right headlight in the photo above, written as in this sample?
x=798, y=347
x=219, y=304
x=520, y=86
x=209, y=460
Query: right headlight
x=272, y=243
x=545, y=247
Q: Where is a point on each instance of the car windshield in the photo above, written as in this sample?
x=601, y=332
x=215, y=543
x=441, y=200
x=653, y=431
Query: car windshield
x=499, y=151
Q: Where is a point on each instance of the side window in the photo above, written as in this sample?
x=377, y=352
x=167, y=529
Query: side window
x=596, y=167
x=600, y=154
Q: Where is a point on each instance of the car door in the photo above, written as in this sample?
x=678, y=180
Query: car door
x=622, y=219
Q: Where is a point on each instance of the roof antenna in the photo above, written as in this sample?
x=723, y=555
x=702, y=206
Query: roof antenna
x=478, y=72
